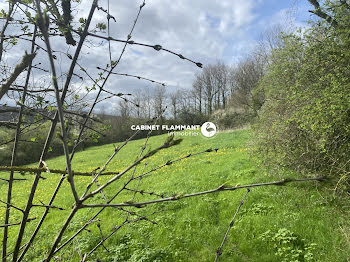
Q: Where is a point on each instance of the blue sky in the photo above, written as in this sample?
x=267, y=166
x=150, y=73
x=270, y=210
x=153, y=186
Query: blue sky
x=205, y=31
x=202, y=30
x=265, y=14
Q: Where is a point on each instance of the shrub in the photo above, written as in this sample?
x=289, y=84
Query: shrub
x=304, y=123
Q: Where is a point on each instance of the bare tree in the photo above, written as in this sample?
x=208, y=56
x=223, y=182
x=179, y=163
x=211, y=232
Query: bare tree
x=221, y=72
x=175, y=101
x=185, y=102
x=138, y=103
x=124, y=109
x=211, y=86
x=210, y=90
x=159, y=100
x=198, y=86
x=245, y=78
x=269, y=40
x=147, y=102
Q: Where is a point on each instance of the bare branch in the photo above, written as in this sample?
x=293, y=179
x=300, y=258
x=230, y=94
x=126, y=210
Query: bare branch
x=134, y=76
x=53, y=127
x=219, y=189
x=318, y=11
x=26, y=61
x=8, y=124
x=120, y=226
x=16, y=224
x=10, y=205
x=2, y=34
x=219, y=251
x=15, y=148
x=155, y=47
x=167, y=144
x=170, y=162
x=14, y=179
x=42, y=25
x=34, y=170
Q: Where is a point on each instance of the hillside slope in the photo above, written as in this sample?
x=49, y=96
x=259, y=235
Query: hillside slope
x=297, y=222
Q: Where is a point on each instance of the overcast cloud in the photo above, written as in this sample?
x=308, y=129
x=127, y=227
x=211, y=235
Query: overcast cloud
x=202, y=30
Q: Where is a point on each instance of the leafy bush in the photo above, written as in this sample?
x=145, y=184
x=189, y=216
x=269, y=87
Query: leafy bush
x=231, y=120
x=288, y=246
x=304, y=123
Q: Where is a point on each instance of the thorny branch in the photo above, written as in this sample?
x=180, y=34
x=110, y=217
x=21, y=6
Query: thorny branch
x=219, y=189
x=155, y=47
x=33, y=170
x=135, y=76
x=117, y=194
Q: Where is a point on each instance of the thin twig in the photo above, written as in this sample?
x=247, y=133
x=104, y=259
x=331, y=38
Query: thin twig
x=134, y=76
x=74, y=210
x=33, y=170
x=219, y=251
x=14, y=151
x=16, y=224
x=120, y=226
x=155, y=47
x=219, y=189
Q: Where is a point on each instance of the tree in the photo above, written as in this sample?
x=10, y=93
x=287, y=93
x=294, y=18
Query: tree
x=159, y=102
x=211, y=86
x=124, y=109
x=147, y=104
x=223, y=81
x=303, y=123
x=245, y=79
x=174, y=101
x=138, y=103
x=197, y=87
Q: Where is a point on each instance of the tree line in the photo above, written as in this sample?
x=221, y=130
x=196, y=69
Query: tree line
x=225, y=93
x=294, y=86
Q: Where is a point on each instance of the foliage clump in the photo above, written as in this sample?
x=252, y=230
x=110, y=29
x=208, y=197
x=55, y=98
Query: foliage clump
x=288, y=246
x=304, y=122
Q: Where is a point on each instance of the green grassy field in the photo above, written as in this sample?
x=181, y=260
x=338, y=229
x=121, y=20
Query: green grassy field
x=296, y=222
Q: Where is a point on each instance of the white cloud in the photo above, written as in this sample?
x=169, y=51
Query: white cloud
x=202, y=30
x=186, y=27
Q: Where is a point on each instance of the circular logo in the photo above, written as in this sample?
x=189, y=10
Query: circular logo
x=208, y=129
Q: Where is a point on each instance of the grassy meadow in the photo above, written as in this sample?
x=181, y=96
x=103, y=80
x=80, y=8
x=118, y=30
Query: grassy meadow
x=296, y=222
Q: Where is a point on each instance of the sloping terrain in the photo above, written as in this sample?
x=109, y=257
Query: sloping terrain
x=296, y=222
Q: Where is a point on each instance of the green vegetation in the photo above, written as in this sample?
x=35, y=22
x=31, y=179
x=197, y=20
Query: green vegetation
x=34, y=138
x=297, y=222
x=304, y=123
